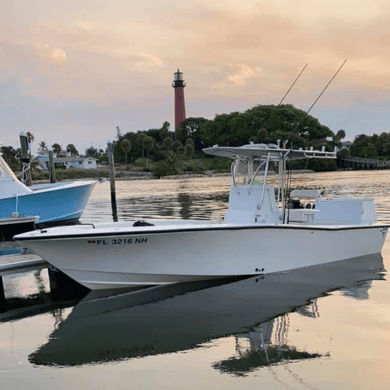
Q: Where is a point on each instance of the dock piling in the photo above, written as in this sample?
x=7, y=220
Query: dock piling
x=25, y=157
x=52, y=173
x=110, y=153
x=63, y=287
x=3, y=304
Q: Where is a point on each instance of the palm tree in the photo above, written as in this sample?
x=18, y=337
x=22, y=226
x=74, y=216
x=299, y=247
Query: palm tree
x=181, y=151
x=43, y=146
x=140, y=141
x=118, y=132
x=148, y=145
x=167, y=143
x=176, y=145
x=30, y=140
x=72, y=150
x=126, y=147
x=189, y=150
x=56, y=148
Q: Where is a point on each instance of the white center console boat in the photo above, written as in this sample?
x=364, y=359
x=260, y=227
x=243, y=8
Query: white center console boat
x=267, y=228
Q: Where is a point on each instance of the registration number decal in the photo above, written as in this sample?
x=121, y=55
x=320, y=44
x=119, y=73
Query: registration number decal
x=119, y=241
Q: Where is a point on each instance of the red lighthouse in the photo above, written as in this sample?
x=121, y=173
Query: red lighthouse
x=180, y=108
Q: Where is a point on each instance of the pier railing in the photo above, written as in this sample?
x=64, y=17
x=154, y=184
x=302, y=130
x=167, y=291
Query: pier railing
x=362, y=163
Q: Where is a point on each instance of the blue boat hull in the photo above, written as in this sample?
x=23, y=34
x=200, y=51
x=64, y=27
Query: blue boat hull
x=53, y=206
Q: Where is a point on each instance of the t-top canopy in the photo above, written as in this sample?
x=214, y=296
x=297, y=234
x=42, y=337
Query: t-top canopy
x=261, y=151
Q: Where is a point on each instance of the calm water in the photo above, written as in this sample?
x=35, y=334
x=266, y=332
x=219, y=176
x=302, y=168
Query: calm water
x=322, y=328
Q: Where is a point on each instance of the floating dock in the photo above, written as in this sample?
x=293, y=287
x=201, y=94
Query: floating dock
x=15, y=259
x=23, y=262
x=61, y=286
x=13, y=225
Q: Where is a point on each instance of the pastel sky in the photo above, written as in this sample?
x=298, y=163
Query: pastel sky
x=73, y=70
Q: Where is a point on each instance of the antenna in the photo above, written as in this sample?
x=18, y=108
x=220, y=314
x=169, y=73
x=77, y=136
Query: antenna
x=327, y=85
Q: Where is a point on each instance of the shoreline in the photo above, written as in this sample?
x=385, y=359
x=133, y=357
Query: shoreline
x=145, y=176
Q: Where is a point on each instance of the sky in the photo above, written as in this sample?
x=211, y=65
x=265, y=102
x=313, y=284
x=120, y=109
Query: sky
x=73, y=70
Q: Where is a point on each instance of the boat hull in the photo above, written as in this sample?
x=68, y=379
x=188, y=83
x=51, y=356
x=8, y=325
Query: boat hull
x=153, y=256
x=61, y=203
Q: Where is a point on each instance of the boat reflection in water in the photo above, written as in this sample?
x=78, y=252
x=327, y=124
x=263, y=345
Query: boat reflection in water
x=184, y=316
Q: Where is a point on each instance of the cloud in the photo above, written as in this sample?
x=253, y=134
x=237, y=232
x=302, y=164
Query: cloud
x=243, y=72
x=233, y=54
x=85, y=25
x=145, y=60
x=53, y=55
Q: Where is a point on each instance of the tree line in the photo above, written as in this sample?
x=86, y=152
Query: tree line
x=260, y=124
x=373, y=147
x=168, y=149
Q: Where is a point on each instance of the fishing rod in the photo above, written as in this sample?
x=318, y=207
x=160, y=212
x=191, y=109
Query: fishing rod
x=304, y=117
x=265, y=124
x=292, y=85
x=327, y=85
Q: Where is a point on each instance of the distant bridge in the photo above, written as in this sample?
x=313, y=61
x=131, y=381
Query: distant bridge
x=362, y=163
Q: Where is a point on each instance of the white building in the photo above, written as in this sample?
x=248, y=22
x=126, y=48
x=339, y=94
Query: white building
x=346, y=145
x=66, y=162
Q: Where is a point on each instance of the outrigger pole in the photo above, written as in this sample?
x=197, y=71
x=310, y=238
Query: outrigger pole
x=265, y=124
x=307, y=112
x=327, y=85
x=292, y=85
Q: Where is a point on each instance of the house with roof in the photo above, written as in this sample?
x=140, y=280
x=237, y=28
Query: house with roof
x=346, y=145
x=67, y=162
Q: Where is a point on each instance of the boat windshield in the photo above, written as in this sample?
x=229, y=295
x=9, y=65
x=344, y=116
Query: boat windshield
x=247, y=171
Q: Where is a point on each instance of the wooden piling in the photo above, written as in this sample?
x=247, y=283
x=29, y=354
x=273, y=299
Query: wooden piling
x=110, y=153
x=25, y=158
x=52, y=173
x=62, y=287
x=3, y=304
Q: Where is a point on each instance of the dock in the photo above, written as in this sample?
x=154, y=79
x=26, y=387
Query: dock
x=362, y=163
x=61, y=285
x=16, y=224
x=17, y=263
x=23, y=262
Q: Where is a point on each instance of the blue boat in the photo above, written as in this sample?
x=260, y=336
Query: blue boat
x=55, y=204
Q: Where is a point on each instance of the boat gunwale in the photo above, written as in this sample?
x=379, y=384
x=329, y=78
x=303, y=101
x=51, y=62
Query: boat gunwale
x=220, y=227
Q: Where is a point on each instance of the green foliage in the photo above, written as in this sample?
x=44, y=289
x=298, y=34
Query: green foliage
x=165, y=168
x=265, y=124
x=126, y=147
x=190, y=129
x=319, y=165
x=167, y=143
x=92, y=152
x=140, y=162
x=181, y=151
x=74, y=152
x=189, y=150
x=43, y=146
x=218, y=164
x=195, y=167
x=363, y=146
x=147, y=143
x=176, y=145
x=10, y=156
x=30, y=137
x=56, y=148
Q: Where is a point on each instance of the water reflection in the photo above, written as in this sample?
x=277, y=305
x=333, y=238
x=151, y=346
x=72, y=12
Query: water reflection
x=264, y=345
x=181, y=317
x=199, y=198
